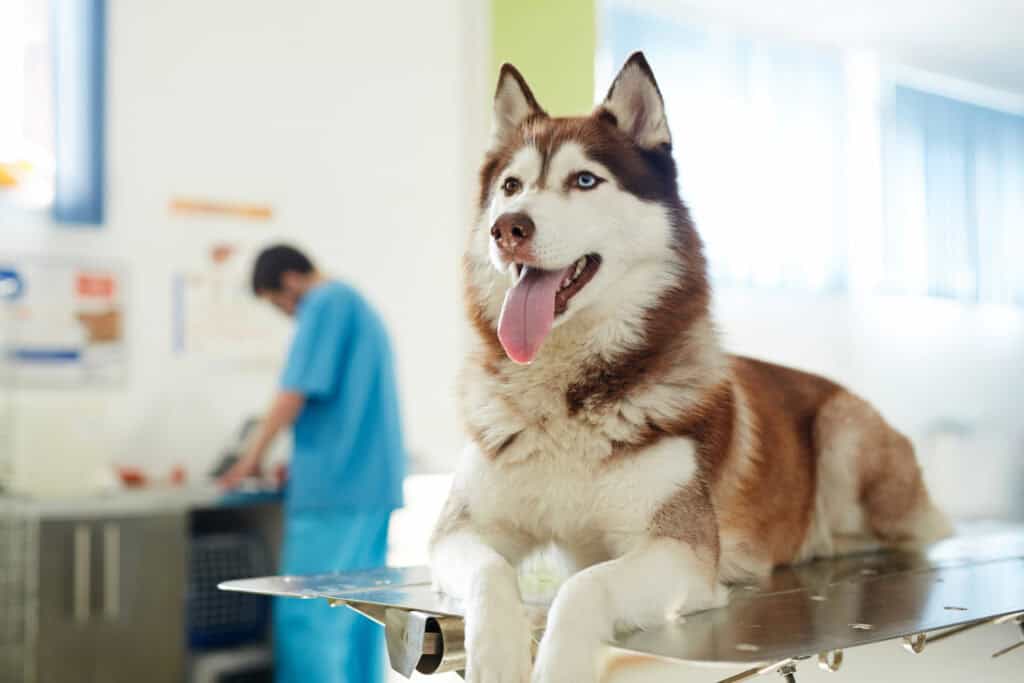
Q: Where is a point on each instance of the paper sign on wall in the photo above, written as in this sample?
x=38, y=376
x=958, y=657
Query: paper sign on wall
x=217, y=317
x=63, y=321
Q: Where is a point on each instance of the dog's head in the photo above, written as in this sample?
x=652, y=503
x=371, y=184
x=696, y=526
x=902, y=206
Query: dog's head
x=580, y=219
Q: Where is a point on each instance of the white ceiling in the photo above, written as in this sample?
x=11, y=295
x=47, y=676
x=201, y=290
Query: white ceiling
x=974, y=40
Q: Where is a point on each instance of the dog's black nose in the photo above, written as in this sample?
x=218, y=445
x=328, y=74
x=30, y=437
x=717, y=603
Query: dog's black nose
x=513, y=232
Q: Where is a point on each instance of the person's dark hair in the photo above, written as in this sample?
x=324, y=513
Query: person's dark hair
x=273, y=262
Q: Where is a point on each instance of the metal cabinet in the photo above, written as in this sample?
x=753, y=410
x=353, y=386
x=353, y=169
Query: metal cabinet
x=111, y=596
x=63, y=644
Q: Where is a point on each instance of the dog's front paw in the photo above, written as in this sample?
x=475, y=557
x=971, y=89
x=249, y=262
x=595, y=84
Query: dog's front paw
x=498, y=645
x=566, y=659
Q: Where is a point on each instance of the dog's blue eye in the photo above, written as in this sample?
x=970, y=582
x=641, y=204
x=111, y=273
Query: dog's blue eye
x=586, y=181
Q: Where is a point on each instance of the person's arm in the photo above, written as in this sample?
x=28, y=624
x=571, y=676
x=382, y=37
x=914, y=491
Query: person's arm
x=282, y=414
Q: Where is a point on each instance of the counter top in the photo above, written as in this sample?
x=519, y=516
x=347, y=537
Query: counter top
x=429, y=488
x=138, y=502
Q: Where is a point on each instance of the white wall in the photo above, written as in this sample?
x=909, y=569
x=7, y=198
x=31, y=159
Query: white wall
x=350, y=119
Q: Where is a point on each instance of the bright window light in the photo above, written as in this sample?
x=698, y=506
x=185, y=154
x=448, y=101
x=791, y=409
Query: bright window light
x=26, y=115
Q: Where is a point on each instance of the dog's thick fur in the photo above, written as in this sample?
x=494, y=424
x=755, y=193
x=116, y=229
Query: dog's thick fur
x=662, y=467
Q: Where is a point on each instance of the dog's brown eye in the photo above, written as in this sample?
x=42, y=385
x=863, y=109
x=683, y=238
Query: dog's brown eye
x=511, y=186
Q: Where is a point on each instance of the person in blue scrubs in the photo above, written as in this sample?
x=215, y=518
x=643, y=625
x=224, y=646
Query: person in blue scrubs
x=338, y=395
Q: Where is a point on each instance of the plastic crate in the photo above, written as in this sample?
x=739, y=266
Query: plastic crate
x=219, y=618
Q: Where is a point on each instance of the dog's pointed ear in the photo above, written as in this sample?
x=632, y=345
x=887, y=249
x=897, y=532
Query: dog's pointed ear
x=513, y=103
x=635, y=104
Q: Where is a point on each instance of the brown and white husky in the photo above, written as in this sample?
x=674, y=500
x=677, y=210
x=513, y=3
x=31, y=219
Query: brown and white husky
x=605, y=418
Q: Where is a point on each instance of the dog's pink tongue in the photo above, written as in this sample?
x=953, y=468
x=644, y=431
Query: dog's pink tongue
x=528, y=313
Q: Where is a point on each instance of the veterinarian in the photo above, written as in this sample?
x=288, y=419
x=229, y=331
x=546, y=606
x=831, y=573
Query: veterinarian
x=338, y=395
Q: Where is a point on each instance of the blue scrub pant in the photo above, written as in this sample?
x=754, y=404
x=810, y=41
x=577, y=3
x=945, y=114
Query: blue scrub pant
x=314, y=642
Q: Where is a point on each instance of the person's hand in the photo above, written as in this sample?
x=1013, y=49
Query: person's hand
x=247, y=466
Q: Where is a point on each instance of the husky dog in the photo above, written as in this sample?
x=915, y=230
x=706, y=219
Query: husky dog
x=606, y=420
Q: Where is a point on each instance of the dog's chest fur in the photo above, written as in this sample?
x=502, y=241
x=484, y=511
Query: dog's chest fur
x=552, y=475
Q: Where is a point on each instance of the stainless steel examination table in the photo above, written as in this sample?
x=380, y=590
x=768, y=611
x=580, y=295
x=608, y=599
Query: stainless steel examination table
x=815, y=610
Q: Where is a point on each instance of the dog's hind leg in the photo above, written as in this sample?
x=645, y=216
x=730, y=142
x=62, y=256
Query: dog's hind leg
x=870, y=479
x=659, y=579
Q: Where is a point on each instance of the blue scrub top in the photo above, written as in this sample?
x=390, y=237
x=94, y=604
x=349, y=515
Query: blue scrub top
x=348, y=438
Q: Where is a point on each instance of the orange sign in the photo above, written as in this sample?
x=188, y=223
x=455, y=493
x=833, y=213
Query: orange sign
x=188, y=206
x=95, y=285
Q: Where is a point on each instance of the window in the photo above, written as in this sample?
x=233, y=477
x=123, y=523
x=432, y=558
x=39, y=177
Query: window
x=954, y=198
x=759, y=134
x=52, y=68
x=26, y=118
x=809, y=168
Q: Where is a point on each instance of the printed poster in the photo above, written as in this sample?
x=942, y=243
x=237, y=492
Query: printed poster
x=62, y=322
